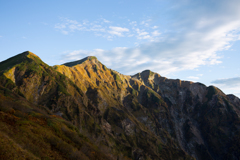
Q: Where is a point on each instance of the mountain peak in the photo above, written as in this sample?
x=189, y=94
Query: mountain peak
x=9, y=63
x=26, y=54
x=30, y=54
x=147, y=71
x=74, y=63
x=144, y=74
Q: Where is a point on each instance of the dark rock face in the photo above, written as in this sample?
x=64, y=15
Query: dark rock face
x=144, y=116
x=205, y=120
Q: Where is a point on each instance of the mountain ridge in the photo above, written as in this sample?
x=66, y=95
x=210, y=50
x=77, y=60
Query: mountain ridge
x=71, y=64
x=17, y=60
x=144, y=116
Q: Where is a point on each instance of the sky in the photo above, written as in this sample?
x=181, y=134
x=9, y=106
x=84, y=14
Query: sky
x=194, y=40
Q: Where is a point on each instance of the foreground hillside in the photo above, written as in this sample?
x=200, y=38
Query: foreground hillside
x=84, y=110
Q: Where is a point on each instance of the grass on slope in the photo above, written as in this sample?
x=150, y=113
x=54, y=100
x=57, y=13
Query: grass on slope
x=12, y=61
x=27, y=132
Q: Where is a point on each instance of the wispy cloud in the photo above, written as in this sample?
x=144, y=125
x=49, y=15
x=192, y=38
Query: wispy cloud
x=193, y=77
x=192, y=39
x=69, y=26
x=231, y=82
x=99, y=27
x=106, y=21
x=230, y=85
x=146, y=22
x=108, y=29
x=117, y=30
x=155, y=33
x=141, y=34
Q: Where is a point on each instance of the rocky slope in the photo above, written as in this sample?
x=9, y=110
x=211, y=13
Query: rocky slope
x=144, y=116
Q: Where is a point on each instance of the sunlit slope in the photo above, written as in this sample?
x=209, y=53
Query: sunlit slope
x=123, y=106
x=144, y=116
x=96, y=105
x=29, y=131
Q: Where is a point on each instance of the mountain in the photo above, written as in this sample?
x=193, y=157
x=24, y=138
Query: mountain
x=84, y=110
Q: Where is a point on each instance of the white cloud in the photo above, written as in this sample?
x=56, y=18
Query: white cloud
x=146, y=22
x=106, y=21
x=133, y=23
x=60, y=26
x=68, y=26
x=115, y=33
x=117, y=30
x=160, y=57
x=142, y=31
x=97, y=27
x=155, y=33
x=141, y=34
x=193, y=77
x=229, y=85
x=233, y=82
x=64, y=32
x=192, y=39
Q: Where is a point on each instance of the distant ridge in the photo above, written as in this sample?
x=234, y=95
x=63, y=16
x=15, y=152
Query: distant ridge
x=74, y=63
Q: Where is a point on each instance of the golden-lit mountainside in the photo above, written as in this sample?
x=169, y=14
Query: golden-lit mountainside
x=84, y=110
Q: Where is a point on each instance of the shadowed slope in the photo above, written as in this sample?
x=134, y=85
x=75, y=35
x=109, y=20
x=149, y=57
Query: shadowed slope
x=144, y=116
x=95, y=104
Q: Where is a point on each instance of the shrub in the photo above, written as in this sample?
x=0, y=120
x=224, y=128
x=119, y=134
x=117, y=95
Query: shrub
x=104, y=67
x=134, y=92
x=95, y=68
x=159, y=148
x=211, y=91
x=53, y=125
x=92, y=57
x=63, y=90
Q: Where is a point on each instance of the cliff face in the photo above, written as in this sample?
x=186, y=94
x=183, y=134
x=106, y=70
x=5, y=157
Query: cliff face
x=144, y=116
x=205, y=120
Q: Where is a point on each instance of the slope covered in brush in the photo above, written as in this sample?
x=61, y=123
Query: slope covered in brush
x=144, y=116
x=29, y=131
x=120, y=110
x=95, y=106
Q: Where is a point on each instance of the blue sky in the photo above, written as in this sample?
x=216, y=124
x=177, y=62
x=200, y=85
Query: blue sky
x=196, y=40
